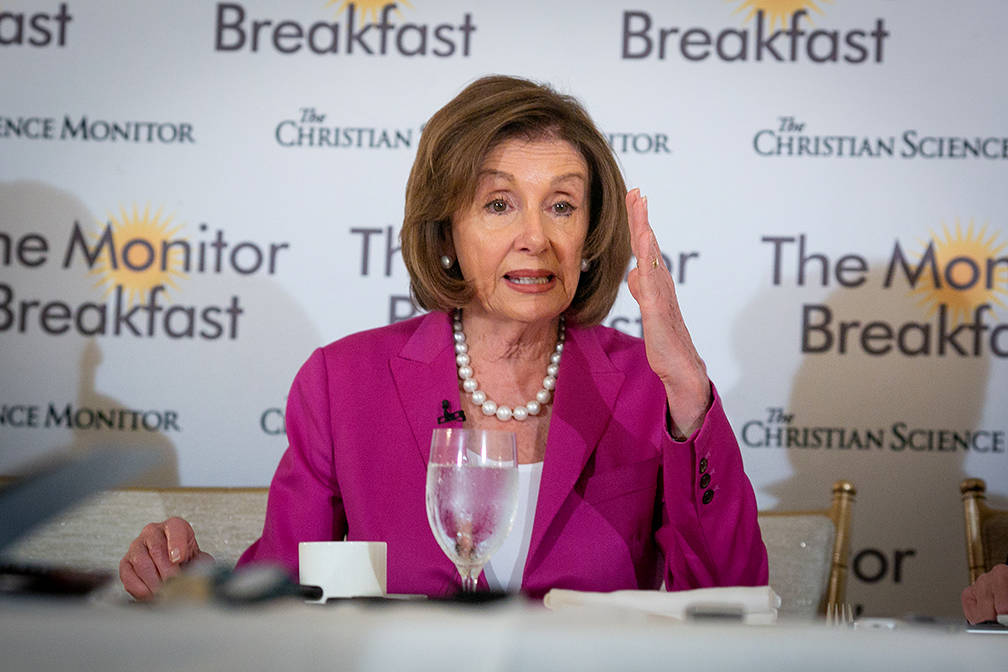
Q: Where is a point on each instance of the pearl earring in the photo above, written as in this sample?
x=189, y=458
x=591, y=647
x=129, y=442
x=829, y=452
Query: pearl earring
x=584, y=265
x=446, y=262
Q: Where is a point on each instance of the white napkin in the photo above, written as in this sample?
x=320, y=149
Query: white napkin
x=758, y=605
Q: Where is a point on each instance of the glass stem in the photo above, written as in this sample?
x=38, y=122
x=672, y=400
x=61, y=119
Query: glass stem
x=470, y=578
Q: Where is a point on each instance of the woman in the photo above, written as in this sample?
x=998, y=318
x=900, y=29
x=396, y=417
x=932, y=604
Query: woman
x=517, y=233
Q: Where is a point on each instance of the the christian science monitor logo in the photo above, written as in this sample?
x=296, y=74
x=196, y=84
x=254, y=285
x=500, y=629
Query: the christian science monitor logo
x=793, y=137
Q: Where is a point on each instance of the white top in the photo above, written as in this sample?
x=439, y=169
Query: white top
x=505, y=568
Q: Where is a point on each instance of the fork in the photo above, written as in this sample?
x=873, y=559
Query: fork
x=839, y=615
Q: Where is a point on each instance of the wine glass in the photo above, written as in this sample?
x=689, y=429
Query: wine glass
x=472, y=495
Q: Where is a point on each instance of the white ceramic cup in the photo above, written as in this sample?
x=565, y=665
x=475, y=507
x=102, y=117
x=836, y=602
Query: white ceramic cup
x=343, y=568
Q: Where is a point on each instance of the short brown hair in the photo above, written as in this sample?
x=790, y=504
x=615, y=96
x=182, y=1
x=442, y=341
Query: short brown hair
x=444, y=178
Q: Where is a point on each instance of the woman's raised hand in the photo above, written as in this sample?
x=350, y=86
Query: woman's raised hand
x=670, y=350
x=159, y=553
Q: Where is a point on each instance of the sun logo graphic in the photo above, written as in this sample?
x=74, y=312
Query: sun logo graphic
x=965, y=271
x=775, y=10
x=369, y=9
x=137, y=252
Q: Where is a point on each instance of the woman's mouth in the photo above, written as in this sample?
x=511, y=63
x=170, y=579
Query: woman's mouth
x=530, y=281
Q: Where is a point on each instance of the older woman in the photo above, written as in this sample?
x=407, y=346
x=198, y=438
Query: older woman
x=517, y=234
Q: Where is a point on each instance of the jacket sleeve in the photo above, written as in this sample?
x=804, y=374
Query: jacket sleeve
x=304, y=499
x=709, y=533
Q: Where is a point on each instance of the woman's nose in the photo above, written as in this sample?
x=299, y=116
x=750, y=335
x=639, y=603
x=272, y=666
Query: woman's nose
x=532, y=233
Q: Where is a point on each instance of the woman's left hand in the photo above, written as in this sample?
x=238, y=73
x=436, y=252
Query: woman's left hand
x=670, y=350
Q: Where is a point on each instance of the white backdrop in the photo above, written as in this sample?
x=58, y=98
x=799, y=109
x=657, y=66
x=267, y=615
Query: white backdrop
x=797, y=181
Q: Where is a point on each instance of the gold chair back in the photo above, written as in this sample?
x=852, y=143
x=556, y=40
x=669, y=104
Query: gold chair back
x=821, y=576
x=986, y=529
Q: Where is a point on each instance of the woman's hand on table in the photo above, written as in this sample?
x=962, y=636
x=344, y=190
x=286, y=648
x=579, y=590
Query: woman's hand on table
x=987, y=597
x=159, y=553
x=670, y=350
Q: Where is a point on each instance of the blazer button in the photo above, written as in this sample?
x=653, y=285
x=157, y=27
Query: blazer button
x=705, y=480
x=703, y=464
x=708, y=496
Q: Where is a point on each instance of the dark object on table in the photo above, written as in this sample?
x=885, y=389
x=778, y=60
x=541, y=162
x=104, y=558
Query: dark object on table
x=28, y=579
x=478, y=597
x=63, y=481
x=47, y=490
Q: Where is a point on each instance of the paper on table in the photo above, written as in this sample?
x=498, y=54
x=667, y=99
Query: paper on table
x=758, y=604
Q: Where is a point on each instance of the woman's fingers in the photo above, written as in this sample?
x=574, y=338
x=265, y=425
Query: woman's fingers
x=156, y=555
x=977, y=606
x=652, y=287
x=636, y=205
x=670, y=349
x=650, y=282
x=999, y=577
x=138, y=575
x=181, y=541
x=141, y=568
x=642, y=239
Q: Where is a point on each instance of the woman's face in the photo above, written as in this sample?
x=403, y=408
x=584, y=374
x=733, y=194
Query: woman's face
x=519, y=242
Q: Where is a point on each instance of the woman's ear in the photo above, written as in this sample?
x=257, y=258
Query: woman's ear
x=447, y=244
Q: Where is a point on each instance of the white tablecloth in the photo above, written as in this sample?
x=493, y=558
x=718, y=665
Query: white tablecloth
x=40, y=635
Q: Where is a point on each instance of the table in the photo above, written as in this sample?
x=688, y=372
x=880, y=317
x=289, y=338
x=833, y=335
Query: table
x=39, y=634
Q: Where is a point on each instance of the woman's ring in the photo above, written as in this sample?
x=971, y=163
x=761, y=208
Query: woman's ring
x=654, y=263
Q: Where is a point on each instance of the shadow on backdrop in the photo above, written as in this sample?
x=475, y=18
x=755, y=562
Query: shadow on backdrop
x=200, y=400
x=873, y=419
x=42, y=367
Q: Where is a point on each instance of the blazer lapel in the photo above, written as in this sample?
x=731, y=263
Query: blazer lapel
x=587, y=386
x=424, y=374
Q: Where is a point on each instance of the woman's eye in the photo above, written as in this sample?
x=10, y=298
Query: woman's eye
x=563, y=208
x=497, y=205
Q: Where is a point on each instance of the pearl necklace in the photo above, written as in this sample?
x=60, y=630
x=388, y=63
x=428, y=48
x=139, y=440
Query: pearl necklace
x=478, y=396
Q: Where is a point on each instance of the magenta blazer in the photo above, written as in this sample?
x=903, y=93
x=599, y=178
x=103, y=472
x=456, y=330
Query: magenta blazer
x=621, y=504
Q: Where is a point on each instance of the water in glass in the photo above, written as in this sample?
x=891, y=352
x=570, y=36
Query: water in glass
x=472, y=495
